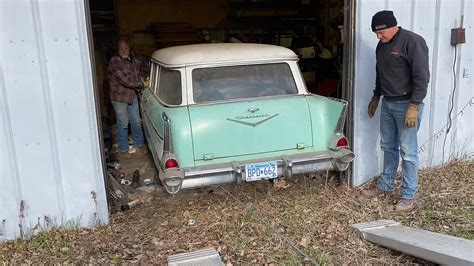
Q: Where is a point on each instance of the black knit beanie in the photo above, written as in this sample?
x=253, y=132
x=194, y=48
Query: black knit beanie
x=383, y=19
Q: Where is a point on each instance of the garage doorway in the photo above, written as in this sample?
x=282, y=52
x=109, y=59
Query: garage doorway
x=320, y=32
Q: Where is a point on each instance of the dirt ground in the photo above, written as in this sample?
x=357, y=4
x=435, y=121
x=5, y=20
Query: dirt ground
x=254, y=223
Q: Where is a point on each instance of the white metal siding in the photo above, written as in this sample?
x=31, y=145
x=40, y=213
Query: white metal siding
x=433, y=20
x=50, y=155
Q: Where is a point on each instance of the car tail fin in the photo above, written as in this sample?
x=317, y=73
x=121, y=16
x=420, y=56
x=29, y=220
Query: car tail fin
x=342, y=118
x=338, y=140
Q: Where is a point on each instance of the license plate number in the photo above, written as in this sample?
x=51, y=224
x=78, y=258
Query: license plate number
x=259, y=171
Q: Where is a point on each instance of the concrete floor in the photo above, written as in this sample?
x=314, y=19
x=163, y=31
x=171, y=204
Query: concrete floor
x=143, y=163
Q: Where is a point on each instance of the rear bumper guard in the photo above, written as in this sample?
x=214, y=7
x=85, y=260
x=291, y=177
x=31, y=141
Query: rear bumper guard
x=208, y=175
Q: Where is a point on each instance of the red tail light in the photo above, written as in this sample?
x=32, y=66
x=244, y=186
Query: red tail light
x=342, y=143
x=171, y=163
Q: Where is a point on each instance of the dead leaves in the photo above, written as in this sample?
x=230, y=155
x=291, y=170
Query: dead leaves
x=280, y=183
x=315, y=218
x=305, y=241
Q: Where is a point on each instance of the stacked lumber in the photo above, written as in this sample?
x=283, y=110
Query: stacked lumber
x=174, y=33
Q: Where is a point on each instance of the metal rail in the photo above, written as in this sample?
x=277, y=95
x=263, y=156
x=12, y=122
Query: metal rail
x=435, y=247
x=206, y=256
x=264, y=221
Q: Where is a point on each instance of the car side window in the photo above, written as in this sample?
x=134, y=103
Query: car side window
x=169, y=86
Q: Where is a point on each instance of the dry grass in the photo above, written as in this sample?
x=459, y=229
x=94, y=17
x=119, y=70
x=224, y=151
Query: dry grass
x=315, y=217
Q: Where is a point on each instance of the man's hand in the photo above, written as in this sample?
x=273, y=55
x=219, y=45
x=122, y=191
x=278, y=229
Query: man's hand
x=373, y=106
x=146, y=83
x=411, y=116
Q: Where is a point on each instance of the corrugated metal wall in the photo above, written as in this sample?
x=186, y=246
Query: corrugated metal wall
x=50, y=156
x=433, y=20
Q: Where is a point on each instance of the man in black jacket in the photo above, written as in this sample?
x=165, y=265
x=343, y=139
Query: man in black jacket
x=402, y=76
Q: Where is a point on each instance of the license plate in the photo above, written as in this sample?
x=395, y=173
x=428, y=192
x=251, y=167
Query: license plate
x=259, y=171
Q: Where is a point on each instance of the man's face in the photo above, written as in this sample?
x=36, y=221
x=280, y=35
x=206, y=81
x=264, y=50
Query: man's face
x=123, y=49
x=387, y=34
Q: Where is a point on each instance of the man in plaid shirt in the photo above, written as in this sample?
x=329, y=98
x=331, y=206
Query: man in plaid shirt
x=127, y=71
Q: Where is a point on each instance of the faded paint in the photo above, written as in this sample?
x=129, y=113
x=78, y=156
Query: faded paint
x=433, y=20
x=50, y=151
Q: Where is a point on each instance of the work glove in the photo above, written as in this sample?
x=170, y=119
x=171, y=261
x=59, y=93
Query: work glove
x=373, y=106
x=146, y=83
x=411, y=116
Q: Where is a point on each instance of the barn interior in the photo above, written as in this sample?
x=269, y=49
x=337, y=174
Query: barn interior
x=313, y=29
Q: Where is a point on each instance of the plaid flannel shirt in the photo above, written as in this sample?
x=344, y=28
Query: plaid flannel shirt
x=126, y=76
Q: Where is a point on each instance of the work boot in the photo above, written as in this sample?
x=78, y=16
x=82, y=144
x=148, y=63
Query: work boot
x=375, y=192
x=405, y=205
x=142, y=150
x=123, y=155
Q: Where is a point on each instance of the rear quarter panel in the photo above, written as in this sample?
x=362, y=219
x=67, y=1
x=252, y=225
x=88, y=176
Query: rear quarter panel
x=180, y=127
x=325, y=114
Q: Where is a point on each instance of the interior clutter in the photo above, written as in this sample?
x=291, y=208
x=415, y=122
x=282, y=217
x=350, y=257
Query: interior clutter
x=311, y=28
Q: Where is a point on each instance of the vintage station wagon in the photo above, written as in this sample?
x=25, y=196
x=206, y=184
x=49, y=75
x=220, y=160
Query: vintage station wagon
x=223, y=113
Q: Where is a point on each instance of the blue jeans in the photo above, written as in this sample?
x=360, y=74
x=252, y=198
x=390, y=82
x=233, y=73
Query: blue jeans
x=398, y=140
x=124, y=112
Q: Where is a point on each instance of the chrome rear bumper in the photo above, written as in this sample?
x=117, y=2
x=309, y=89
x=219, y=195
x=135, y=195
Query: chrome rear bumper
x=234, y=172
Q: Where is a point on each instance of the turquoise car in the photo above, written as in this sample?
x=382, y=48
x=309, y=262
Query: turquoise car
x=233, y=113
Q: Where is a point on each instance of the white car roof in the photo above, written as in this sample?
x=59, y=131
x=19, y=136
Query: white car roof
x=209, y=53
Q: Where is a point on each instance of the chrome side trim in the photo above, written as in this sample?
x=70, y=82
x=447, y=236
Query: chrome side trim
x=250, y=123
x=146, y=117
x=342, y=119
x=248, y=99
x=168, y=141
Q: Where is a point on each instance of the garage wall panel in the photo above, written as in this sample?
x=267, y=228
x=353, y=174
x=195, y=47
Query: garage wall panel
x=465, y=97
x=52, y=161
x=366, y=131
x=433, y=20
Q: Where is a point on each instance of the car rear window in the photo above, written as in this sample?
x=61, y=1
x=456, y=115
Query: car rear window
x=240, y=82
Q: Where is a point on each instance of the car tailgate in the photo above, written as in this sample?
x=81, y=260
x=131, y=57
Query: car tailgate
x=250, y=127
